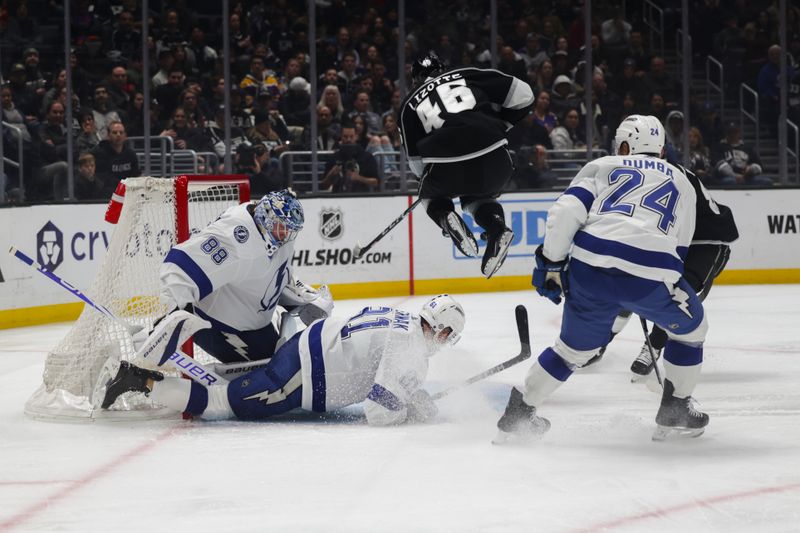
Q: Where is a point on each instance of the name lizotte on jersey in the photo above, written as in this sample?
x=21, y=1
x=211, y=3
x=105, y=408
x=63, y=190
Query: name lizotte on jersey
x=426, y=89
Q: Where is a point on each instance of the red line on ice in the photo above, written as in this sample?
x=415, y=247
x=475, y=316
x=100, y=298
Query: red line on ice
x=72, y=486
x=660, y=513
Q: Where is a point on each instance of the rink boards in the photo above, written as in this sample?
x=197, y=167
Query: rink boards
x=413, y=259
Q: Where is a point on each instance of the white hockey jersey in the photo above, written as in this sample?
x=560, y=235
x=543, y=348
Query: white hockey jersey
x=226, y=274
x=635, y=213
x=379, y=355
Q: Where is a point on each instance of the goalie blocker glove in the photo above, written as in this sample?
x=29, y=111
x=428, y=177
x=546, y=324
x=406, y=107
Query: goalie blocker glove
x=549, y=277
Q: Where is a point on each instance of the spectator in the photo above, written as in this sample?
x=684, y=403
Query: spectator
x=88, y=185
x=344, y=46
x=89, y=137
x=264, y=171
x=185, y=135
x=291, y=71
x=542, y=114
x=388, y=144
x=33, y=72
x=638, y=53
x=104, y=114
x=533, y=169
x=699, y=161
x=201, y=56
x=737, y=163
x=616, y=31
x=59, y=83
x=190, y=104
x=629, y=106
x=328, y=131
x=171, y=32
x=511, y=63
x=329, y=76
x=657, y=107
x=568, y=135
x=13, y=116
x=630, y=82
x=661, y=82
x=215, y=132
x=348, y=77
x=673, y=130
x=165, y=62
x=115, y=160
x=119, y=90
x=261, y=78
x=361, y=106
x=526, y=133
x=768, y=86
x=710, y=123
x=125, y=39
x=544, y=77
x=532, y=54
x=262, y=132
x=169, y=94
x=382, y=87
x=563, y=96
x=241, y=44
x=360, y=125
x=351, y=169
x=22, y=28
x=294, y=105
x=52, y=177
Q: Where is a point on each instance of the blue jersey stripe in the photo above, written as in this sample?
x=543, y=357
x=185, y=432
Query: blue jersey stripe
x=632, y=254
x=680, y=354
x=554, y=365
x=317, y=367
x=222, y=326
x=586, y=197
x=192, y=269
x=385, y=398
x=198, y=399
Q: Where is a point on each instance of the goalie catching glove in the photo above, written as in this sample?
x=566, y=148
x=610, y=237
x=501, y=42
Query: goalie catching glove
x=308, y=303
x=550, y=277
x=167, y=336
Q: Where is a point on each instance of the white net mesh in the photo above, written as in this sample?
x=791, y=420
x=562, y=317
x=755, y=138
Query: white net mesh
x=128, y=285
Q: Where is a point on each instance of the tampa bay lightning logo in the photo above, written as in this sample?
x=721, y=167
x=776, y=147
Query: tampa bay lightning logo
x=50, y=246
x=241, y=234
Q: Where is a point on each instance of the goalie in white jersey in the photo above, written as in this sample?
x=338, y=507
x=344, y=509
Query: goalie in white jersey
x=616, y=239
x=379, y=355
x=223, y=284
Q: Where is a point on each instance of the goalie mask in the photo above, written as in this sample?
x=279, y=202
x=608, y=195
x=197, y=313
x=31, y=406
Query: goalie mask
x=279, y=217
x=442, y=312
x=643, y=133
x=426, y=67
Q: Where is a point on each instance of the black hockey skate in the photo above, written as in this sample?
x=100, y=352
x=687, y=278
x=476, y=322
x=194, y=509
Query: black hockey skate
x=129, y=378
x=596, y=358
x=497, y=243
x=643, y=364
x=519, y=421
x=678, y=416
x=453, y=226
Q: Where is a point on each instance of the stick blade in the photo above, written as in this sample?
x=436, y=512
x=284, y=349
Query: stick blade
x=522, y=329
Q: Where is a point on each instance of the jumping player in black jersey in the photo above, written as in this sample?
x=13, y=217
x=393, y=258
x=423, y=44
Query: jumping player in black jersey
x=453, y=126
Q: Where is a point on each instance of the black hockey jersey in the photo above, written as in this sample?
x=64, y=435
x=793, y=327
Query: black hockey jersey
x=460, y=115
x=715, y=223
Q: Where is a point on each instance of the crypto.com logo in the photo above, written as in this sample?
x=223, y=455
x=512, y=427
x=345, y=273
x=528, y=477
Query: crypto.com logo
x=50, y=246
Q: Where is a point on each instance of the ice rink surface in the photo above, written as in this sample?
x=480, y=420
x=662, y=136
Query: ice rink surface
x=596, y=470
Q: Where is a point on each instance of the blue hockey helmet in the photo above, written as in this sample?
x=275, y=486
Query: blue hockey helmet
x=279, y=216
x=426, y=67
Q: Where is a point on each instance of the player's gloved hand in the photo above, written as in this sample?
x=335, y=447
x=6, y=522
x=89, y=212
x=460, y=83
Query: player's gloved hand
x=319, y=306
x=421, y=407
x=550, y=277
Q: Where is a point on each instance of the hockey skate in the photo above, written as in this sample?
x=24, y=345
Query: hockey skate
x=520, y=422
x=497, y=243
x=129, y=378
x=677, y=417
x=453, y=226
x=643, y=364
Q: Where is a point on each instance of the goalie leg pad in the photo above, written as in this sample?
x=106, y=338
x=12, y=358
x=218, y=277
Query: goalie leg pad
x=175, y=329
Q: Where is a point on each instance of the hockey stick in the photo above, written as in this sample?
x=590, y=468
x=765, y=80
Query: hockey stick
x=182, y=362
x=524, y=353
x=650, y=347
x=359, y=250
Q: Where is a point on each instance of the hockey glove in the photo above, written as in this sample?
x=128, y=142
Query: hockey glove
x=550, y=277
x=421, y=407
x=320, y=307
x=169, y=334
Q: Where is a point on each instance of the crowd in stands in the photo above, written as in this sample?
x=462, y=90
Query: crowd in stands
x=358, y=94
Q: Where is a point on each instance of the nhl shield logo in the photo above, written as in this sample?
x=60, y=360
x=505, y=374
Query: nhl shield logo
x=331, y=226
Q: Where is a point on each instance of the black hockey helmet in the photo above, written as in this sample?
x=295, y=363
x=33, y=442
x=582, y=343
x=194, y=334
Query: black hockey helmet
x=426, y=67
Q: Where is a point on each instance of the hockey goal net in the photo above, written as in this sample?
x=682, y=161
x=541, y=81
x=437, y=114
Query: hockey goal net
x=156, y=213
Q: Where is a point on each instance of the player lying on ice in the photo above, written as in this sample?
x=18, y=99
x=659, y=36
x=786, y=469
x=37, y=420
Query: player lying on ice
x=616, y=240
x=223, y=285
x=379, y=355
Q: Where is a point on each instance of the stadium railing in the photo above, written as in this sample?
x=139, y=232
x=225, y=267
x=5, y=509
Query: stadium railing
x=746, y=94
x=19, y=164
x=714, y=66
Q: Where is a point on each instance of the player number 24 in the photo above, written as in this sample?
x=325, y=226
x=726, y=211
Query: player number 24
x=661, y=200
x=455, y=97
